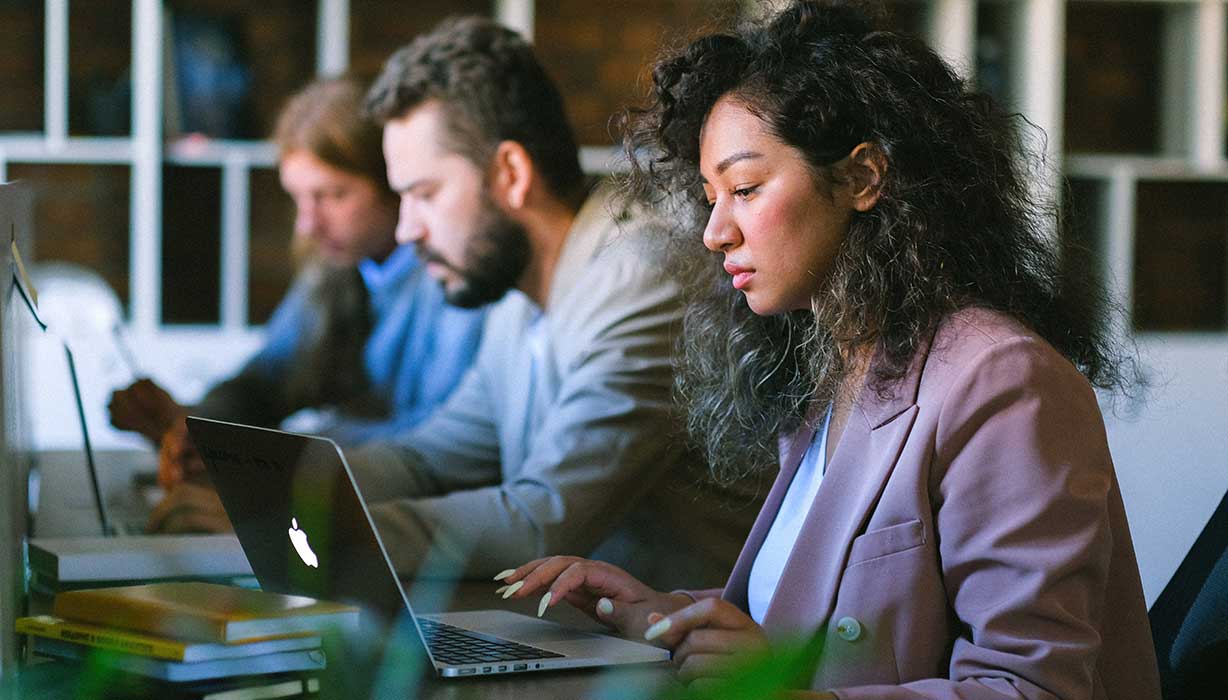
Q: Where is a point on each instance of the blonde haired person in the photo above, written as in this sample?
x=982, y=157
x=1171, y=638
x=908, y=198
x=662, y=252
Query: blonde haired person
x=363, y=334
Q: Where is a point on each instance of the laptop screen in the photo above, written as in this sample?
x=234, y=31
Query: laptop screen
x=298, y=515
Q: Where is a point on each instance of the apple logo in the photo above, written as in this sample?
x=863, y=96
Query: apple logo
x=299, y=539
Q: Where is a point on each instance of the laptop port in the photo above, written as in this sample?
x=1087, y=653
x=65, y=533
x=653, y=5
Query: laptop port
x=502, y=668
x=468, y=671
x=486, y=669
x=520, y=667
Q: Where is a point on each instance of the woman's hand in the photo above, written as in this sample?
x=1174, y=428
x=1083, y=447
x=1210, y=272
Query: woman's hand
x=603, y=591
x=705, y=635
x=146, y=408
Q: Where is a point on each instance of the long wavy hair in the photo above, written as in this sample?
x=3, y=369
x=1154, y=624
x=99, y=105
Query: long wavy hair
x=325, y=119
x=958, y=222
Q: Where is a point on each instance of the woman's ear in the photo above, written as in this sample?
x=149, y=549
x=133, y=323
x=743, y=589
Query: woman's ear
x=512, y=174
x=867, y=166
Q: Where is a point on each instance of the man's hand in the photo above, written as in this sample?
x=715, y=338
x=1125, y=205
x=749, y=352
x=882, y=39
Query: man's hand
x=189, y=507
x=178, y=460
x=146, y=408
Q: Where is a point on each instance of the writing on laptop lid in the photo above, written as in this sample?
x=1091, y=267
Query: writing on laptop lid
x=298, y=515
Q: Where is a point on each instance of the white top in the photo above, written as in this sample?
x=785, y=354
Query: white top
x=774, y=554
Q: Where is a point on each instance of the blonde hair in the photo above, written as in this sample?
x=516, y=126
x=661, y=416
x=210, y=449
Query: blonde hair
x=325, y=119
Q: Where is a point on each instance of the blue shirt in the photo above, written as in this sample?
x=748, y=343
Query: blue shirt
x=417, y=349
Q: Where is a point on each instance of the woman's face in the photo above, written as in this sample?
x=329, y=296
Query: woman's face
x=778, y=230
x=346, y=217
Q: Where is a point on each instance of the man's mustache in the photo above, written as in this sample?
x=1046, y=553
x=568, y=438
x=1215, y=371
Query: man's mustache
x=428, y=255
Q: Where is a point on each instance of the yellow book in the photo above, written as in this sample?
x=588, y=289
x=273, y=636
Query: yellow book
x=206, y=612
x=138, y=644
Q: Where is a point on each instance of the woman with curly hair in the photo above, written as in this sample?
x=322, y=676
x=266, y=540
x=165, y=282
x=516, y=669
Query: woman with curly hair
x=879, y=307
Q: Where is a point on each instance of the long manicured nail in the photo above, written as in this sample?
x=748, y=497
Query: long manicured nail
x=605, y=606
x=504, y=574
x=500, y=589
x=657, y=630
x=511, y=590
x=541, y=607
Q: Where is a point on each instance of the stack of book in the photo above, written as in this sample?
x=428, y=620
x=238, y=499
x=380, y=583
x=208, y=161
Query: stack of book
x=198, y=640
x=65, y=564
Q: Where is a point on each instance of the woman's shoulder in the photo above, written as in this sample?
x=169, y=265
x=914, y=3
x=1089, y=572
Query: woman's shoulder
x=967, y=333
x=988, y=346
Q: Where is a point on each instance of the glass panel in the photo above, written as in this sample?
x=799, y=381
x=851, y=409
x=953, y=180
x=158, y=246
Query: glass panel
x=601, y=53
x=270, y=265
x=1082, y=249
x=996, y=26
x=81, y=217
x=380, y=27
x=908, y=16
x=21, y=64
x=1113, y=77
x=99, y=68
x=235, y=63
x=1181, y=256
x=191, y=244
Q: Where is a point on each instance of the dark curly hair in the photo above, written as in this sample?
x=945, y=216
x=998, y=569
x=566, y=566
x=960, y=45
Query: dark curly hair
x=492, y=88
x=957, y=223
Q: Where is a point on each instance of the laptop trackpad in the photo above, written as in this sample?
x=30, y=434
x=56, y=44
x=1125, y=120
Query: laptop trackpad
x=516, y=627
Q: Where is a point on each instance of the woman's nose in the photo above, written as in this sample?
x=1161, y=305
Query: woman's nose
x=721, y=233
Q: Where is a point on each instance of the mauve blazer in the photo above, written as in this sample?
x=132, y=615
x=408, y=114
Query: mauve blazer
x=969, y=539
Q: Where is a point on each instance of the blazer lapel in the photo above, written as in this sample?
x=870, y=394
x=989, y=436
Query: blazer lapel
x=854, y=481
x=852, y=485
x=792, y=449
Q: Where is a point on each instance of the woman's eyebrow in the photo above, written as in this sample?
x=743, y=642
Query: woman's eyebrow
x=740, y=155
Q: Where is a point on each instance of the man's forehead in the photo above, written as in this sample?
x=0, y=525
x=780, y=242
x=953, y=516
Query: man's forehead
x=418, y=128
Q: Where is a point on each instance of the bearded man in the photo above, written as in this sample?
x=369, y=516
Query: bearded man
x=562, y=437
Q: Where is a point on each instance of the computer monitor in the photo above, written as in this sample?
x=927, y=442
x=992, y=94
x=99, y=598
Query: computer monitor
x=16, y=225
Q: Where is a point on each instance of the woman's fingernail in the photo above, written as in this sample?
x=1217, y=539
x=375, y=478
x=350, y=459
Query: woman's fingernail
x=500, y=589
x=511, y=590
x=541, y=607
x=657, y=630
x=605, y=606
x=504, y=574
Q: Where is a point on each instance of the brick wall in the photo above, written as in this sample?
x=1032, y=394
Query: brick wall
x=380, y=27
x=81, y=216
x=21, y=64
x=601, y=52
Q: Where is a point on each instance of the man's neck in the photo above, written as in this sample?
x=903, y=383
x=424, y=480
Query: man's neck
x=548, y=226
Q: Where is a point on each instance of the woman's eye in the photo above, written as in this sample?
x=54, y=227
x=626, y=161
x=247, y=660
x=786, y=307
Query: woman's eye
x=743, y=192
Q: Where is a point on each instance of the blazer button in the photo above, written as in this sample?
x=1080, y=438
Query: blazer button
x=849, y=629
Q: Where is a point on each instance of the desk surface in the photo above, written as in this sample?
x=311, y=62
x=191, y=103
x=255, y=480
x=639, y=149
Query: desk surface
x=49, y=680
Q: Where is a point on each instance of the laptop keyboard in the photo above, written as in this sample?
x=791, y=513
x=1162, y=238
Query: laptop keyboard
x=454, y=646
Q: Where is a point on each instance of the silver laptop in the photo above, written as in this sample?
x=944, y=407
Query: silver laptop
x=306, y=530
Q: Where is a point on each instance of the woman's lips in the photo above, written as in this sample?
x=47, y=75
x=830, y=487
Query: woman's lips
x=741, y=275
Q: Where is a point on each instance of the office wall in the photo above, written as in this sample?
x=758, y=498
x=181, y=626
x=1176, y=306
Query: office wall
x=1171, y=452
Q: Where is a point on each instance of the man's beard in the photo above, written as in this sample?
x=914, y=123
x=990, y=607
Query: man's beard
x=494, y=260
